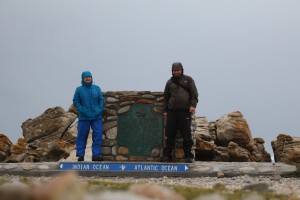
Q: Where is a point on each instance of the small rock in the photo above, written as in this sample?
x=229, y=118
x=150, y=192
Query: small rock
x=276, y=178
x=220, y=175
x=259, y=187
x=155, y=191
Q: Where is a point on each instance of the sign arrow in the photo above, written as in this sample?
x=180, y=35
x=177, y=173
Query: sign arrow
x=186, y=168
x=123, y=167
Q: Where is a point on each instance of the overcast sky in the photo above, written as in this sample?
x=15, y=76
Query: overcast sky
x=243, y=55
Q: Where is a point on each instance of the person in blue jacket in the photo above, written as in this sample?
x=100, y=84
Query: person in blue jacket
x=89, y=102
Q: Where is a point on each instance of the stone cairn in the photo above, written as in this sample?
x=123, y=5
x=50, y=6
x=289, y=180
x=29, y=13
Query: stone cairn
x=118, y=103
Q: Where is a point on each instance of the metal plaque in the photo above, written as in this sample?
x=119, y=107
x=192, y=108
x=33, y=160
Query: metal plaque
x=138, y=167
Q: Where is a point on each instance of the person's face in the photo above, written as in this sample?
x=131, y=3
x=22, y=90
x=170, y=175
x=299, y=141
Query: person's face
x=177, y=73
x=88, y=79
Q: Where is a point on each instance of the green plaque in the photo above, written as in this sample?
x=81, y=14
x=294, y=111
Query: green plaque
x=140, y=129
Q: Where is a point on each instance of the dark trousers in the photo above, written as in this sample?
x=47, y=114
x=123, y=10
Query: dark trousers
x=178, y=120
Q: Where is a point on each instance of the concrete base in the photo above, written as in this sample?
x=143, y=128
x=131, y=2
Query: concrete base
x=197, y=169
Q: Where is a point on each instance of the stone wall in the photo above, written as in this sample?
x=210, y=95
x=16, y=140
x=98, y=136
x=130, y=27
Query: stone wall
x=121, y=102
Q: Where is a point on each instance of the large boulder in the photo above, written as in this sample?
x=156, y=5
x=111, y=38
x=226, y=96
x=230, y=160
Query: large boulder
x=286, y=148
x=88, y=151
x=228, y=139
x=54, y=151
x=5, y=145
x=49, y=126
x=259, y=154
x=238, y=154
x=204, y=140
x=18, y=151
x=71, y=134
x=72, y=109
x=48, y=137
x=233, y=127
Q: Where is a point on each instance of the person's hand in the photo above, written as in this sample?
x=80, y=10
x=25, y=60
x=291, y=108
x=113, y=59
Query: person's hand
x=105, y=112
x=165, y=114
x=192, y=110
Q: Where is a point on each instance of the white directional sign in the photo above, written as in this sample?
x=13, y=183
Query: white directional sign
x=141, y=167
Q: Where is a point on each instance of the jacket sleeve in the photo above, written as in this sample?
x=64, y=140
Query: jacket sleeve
x=77, y=101
x=166, y=97
x=193, y=93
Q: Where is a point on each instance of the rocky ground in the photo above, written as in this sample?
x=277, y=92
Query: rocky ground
x=262, y=184
x=275, y=183
x=70, y=184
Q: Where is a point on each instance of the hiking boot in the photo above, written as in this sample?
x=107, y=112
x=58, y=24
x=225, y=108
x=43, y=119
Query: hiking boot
x=189, y=160
x=80, y=159
x=97, y=158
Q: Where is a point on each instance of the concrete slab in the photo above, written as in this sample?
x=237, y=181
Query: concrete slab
x=146, y=169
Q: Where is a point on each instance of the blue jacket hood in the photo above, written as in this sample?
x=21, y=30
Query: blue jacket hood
x=85, y=74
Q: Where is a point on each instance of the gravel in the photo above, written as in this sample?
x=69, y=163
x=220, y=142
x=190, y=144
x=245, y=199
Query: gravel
x=281, y=186
x=276, y=184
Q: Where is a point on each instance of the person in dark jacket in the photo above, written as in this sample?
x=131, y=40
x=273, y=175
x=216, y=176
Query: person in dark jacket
x=89, y=102
x=180, y=101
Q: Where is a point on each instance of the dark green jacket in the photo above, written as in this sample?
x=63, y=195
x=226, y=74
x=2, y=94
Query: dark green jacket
x=180, y=97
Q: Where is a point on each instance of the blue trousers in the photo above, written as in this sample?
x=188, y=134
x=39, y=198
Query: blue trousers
x=83, y=133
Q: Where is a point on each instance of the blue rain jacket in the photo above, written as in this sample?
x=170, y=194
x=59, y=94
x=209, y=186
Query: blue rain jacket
x=88, y=100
